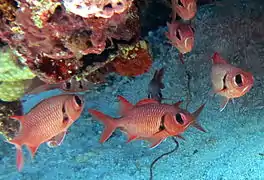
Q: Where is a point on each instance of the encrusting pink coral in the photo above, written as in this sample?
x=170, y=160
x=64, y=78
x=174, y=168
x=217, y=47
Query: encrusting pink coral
x=54, y=51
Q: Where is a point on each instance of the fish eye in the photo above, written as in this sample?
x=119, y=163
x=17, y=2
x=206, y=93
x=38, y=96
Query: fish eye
x=179, y=118
x=68, y=85
x=78, y=100
x=192, y=29
x=239, y=80
x=108, y=6
x=119, y=3
x=178, y=34
x=180, y=3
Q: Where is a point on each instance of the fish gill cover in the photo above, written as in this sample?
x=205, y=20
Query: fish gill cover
x=104, y=49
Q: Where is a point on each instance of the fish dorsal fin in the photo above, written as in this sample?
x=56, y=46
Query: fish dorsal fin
x=147, y=101
x=177, y=104
x=33, y=150
x=125, y=105
x=19, y=118
x=217, y=59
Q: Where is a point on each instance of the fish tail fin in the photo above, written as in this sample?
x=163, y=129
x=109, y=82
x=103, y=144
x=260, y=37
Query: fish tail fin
x=109, y=123
x=159, y=76
x=195, y=115
x=19, y=153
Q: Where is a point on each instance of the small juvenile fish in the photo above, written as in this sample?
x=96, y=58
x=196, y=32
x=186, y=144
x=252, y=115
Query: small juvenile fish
x=181, y=36
x=148, y=120
x=47, y=122
x=155, y=85
x=229, y=81
x=36, y=86
x=186, y=9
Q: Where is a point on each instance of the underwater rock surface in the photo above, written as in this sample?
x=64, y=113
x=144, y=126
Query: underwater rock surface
x=231, y=148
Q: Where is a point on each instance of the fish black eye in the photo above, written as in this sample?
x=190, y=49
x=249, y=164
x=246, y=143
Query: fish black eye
x=78, y=100
x=108, y=6
x=193, y=30
x=178, y=34
x=238, y=80
x=119, y=4
x=179, y=118
x=180, y=3
x=68, y=85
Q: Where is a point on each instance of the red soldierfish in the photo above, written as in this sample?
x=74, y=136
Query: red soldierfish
x=229, y=81
x=148, y=120
x=181, y=36
x=186, y=9
x=47, y=122
x=155, y=85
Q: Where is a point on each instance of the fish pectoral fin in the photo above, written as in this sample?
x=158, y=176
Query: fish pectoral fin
x=56, y=140
x=224, y=101
x=177, y=104
x=147, y=101
x=33, y=150
x=125, y=105
x=155, y=141
x=180, y=136
x=131, y=138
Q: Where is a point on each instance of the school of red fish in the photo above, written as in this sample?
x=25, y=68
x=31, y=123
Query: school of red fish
x=149, y=119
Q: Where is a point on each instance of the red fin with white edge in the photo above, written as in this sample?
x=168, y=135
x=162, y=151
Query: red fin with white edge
x=195, y=116
x=33, y=150
x=125, y=105
x=217, y=59
x=147, y=101
x=131, y=138
x=224, y=102
x=19, y=118
x=19, y=153
x=155, y=141
x=56, y=140
x=109, y=123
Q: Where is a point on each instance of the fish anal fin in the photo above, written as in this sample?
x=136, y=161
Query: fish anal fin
x=224, y=102
x=19, y=153
x=147, y=101
x=56, y=140
x=131, y=138
x=33, y=150
x=19, y=118
x=217, y=59
x=125, y=105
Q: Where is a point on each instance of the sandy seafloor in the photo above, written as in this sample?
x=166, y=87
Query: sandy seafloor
x=228, y=151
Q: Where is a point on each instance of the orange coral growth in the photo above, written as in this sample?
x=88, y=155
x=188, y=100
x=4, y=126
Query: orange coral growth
x=133, y=60
x=8, y=9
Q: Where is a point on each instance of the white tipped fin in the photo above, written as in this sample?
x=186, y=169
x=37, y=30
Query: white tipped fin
x=56, y=140
x=224, y=102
